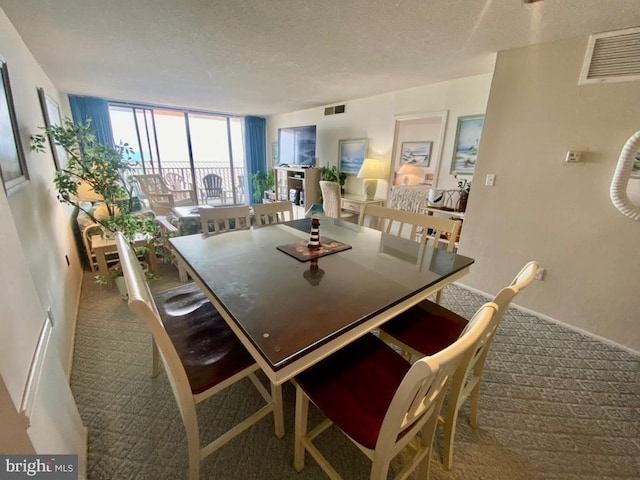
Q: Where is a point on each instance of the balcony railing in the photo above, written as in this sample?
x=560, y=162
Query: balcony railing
x=177, y=176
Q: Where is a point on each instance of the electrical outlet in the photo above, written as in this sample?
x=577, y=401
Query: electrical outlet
x=540, y=274
x=573, y=156
x=490, y=181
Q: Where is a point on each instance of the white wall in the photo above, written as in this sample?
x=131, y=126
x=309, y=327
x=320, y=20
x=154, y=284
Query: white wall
x=374, y=118
x=35, y=239
x=555, y=213
x=42, y=223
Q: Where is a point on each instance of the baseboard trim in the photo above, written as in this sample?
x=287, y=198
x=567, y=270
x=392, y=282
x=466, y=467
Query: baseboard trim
x=74, y=326
x=554, y=320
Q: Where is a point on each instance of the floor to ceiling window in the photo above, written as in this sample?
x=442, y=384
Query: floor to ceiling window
x=187, y=148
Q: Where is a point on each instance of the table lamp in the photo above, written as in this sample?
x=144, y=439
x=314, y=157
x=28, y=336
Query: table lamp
x=371, y=170
x=86, y=193
x=411, y=174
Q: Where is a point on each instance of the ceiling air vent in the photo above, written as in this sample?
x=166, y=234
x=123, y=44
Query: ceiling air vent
x=612, y=57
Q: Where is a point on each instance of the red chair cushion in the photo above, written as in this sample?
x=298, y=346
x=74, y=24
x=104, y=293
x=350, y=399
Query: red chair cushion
x=209, y=350
x=426, y=327
x=354, y=386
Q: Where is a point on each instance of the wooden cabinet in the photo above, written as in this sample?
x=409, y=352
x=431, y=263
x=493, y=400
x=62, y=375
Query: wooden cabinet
x=299, y=185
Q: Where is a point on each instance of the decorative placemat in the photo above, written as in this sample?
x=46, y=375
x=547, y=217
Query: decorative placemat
x=300, y=251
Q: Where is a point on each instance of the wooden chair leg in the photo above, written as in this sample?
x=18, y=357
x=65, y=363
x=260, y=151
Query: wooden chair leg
x=474, y=404
x=438, y=296
x=450, y=423
x=302, y=409
x=155, y=361
x=182, y=272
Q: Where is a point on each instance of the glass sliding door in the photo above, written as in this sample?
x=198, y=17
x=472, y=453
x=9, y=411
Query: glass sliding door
x=185, y=147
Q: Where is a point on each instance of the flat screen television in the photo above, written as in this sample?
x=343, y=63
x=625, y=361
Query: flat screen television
x=297, y=146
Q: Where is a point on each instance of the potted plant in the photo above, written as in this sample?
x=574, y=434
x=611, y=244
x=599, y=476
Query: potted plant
x=333, y=175
x=262, y=182
x=105, y=172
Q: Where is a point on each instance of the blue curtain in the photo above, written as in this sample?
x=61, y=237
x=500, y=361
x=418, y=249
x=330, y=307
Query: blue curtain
x=255, y=141
x=98, y=110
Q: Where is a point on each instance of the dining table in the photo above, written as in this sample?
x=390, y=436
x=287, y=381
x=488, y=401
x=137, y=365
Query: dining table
x=291, y=312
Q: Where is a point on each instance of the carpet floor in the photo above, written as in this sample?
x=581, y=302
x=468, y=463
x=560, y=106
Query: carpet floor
x=555, y=404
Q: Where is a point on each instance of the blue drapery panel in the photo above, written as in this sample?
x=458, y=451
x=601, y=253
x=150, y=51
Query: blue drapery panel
x=98, y=110
x=255, y=141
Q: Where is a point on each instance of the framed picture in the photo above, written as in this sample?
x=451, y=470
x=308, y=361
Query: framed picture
x=465, y=150
x=416, y=153
x=351, y=154
x=13, y=167
x=274, y=153
x=52, y=117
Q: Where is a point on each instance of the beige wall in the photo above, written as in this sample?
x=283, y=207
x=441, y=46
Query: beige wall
x=374, y=118
x=34, y=276
x=555, y=213
x=42, y=223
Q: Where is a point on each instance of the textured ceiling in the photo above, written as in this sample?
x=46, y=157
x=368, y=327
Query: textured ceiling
x=267, y=57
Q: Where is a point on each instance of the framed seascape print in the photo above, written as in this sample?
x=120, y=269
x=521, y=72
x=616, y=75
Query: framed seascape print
x=13, y=167
x=351, y=154
x=52, y=117
x=416, y=153
x=465, y=148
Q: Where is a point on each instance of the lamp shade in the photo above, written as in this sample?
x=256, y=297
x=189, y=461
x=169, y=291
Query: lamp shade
x=372, y=168
x=85, y=193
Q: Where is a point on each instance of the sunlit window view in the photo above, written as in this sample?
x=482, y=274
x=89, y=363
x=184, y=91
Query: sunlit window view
x=190, y=150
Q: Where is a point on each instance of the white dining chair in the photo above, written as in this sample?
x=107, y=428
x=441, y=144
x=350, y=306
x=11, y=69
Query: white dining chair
x=380, y=401
x=225, y=219
x=426, y=229
x=273, y=212
x=201, y=354
x=428, y=328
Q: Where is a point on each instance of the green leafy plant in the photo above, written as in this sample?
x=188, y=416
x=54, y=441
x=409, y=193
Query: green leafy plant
x=333, y=175
x=262, y=181
x=106, y=170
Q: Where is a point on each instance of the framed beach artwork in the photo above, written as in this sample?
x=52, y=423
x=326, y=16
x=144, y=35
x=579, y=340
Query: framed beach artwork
x=465, y=150
x=351, y=154
x=13, y=167
x=416, y=153
x=52, y=117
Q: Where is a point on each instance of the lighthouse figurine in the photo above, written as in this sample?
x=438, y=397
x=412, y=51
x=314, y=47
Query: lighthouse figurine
x=314, y=241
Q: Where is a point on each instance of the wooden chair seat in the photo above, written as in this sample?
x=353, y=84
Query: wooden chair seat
x=354, y=387
x=426, y=327
x=209, y=350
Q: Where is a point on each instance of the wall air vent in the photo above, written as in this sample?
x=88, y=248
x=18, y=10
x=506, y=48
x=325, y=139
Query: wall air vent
x=612, y=57
x=335, y=110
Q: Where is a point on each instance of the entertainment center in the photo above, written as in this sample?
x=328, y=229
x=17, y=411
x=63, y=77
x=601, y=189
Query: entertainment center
x=299, y=185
